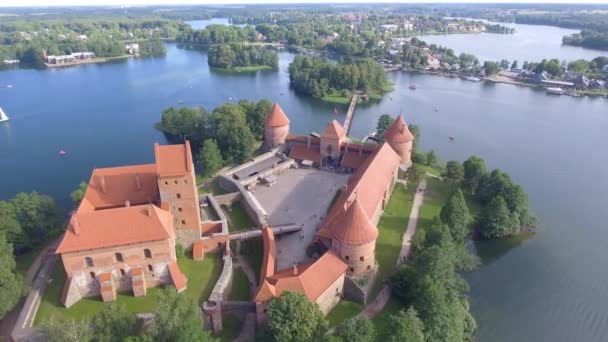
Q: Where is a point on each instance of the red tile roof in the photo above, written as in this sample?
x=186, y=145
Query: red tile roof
x=353, y=226
x=179, y=279
x=334, y=131
x=398, y=131
x=276, y=117
x=173, y=160
x=353, y=160
x=302, y=152
x=115, y=227
x=367, y=185
x=198, y=250
x=114, y=186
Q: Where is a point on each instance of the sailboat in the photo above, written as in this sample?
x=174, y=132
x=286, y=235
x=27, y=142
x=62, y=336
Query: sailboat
x=3, y=116
x=336, y=111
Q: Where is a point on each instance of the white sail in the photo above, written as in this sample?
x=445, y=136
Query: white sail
x=3, y=116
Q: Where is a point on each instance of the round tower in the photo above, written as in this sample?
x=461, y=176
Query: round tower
x=354, y=239
x=276, y=127
x=399, y=137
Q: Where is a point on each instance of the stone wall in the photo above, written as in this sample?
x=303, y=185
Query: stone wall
x=331, y=296
x=276, y=170
x=253, y=208
x=353, y=292
x=213, y=306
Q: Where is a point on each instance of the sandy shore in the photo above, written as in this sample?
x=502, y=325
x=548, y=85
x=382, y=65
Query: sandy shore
x=86, y=61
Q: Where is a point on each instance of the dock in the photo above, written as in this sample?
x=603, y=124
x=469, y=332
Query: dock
x=349, y=114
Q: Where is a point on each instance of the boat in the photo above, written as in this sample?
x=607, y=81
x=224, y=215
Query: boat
x=436, y=109
x=62, y=153
x=9, y=85
x=555, y=91
x=3, y=116
x=452, y=138
x=180, y=101
x=412, y=87
x=336, y=111
x=472, y=79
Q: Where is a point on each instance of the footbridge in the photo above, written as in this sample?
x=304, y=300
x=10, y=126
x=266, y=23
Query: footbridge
x=349, y=114
x=254, y=232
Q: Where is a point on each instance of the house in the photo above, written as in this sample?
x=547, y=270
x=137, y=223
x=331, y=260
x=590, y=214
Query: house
x=597, y=84
x=388, y=28
x=83, y=37
x=540, y=77
x=581, y=82
x=132, y=48
x=122, y=236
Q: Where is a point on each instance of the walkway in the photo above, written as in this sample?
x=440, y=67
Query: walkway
x=349, y=114
x=374, y=308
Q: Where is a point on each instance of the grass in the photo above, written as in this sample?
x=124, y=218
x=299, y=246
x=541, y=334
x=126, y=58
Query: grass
x=381, y=321
x=253, y=250
x=240, y=286
x=391, y=227
x=238, y=218
x=201, y=279
x=337, y=97
x=343, y=311
x=250, y=68
x=435, y=171
x=232, y=328
x=437, y=192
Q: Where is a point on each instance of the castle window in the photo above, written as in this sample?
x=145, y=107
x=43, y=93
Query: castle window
x=361, y=258
x=175, y=182
x=122, y=272
x=369, y=267
x=166, y=183
x=347, y=257
x=179, y=209
x=179, y=195
x=185, y=181
x=118, y=257
x=92, y=274
x=183, y=221
x=150, y=268
x=147, y=253
x=89, y=261
x=352, y=269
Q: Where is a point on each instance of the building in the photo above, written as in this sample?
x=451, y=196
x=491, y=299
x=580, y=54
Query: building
x=399, y=137
x=276, y=127
x=132, y=48
x=122, y=236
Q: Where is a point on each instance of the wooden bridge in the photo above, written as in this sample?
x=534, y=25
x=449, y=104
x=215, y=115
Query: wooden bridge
x=349, y=114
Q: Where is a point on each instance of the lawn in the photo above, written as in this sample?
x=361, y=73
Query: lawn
x=343, y=311
x=201, y=279
x=381, y=321
x=391, y=227
x=337, y=98
x=238, y=218
x=250, y=68
x=437, y=192
x=232, y=328
x=240, y=286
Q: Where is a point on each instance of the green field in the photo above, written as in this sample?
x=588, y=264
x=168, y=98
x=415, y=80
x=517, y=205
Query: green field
x=232, y=328
x=337, y=98
x=241, y=290
x=251, y=68
x=202, y=276
x=437, y=192
x=238, y=218
x=343, y=311
x=391, y=227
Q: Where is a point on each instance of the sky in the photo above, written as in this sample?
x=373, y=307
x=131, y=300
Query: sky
x=20, y=3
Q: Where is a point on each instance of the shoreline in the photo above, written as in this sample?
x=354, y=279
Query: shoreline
x=86, y=61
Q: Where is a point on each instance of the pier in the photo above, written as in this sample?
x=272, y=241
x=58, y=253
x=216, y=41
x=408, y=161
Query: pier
x=349, y=114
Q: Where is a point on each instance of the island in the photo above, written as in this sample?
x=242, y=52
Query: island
x=242, y=57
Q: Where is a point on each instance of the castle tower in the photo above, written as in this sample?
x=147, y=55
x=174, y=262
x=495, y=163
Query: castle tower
x=399, y=137
x=332, y=139
x=177, y=187
x=276, y=127
x=354, y=239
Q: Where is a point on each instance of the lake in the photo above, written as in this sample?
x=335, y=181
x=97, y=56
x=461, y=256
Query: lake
x=529, y=43
x=549, y=288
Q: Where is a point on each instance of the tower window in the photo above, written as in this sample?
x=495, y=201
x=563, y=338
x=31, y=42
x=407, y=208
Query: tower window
x=166, y=183
x=361, y=258
x=122, y=272
x=185, y=181
x=92, y=274
x=118, y=257
x=150, y=268
x=179, y=209
x=183, y=221
x=89, y=261
x=147, y=253
x=347, y=257
x=175, y=182
x=352, y=269
x=179, y=195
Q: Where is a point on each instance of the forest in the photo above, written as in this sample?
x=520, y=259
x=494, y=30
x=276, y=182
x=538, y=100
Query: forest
x=589, y=39
x=234, y=56
x=319, y=77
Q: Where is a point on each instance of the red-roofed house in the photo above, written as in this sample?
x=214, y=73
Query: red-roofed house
x=122, y=237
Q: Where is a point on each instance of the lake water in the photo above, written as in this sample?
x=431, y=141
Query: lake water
x=529, y=43
x=549, y=288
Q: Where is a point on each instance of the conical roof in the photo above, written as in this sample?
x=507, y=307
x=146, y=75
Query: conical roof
x=398, y=131
x=276, y=117
x=334, y=130
x=353, y=227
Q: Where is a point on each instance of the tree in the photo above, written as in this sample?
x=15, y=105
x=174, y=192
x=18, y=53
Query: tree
x=177, y=318
x=256, y=116
x=292, y=317
x=415, y=130
x=454, y=172
x=67, y=331
x=356, y=330
x=38, y=216
x=491, y=68
x=474, y=170
x=384, y=122
x=405, y=326
x=580, y=66
x=431, y=159
x=113, y=323
x=78, y=194
x=504, y=64
x=496, y=220
x=514, y=65
x=455, y=214
x=233, y=137
x=210, y=158
x=11, y=283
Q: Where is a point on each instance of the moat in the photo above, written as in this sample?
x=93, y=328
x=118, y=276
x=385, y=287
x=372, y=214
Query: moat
x=104, y=115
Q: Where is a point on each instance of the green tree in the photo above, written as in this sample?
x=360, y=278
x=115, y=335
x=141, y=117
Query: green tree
x=11, y=283
x=514, y=65
x=384, y=122
x=67, y=331
x=431, y=159
x=292, y=317
x=177, y=318
x=580, y=66
x=256, y=116
x=405, y=326
x=78, y=194
x=455, y=214
x=474, y=171
x=233, y=137
x=415, y=130
x=491, y=68
x=356, y=330
x=454, y=172
x=496, y=220
x=113, y=323
x=39, y=218
x=210, y=158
